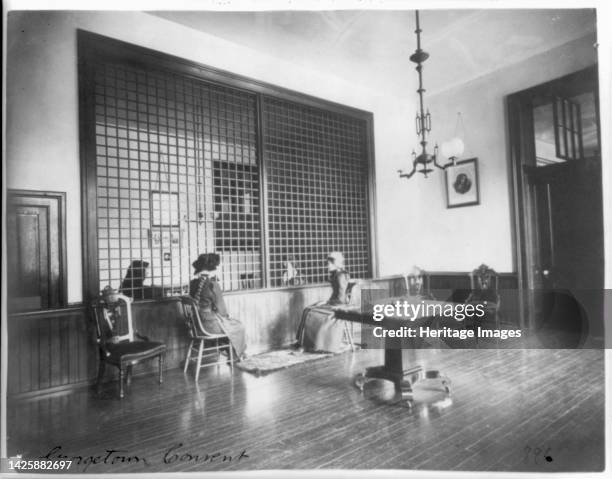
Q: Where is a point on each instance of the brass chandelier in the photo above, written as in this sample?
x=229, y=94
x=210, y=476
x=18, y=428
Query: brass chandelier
x=424, y=162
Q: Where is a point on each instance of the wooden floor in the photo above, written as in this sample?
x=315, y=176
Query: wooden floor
x=510, y=410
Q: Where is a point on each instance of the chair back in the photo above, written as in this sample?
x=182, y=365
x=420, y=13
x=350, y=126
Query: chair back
x=484, y=278
x=484, y=282
x=113, y=317
x=192, y=318
x=418, y=283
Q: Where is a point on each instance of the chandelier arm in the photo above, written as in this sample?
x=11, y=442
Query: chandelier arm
x=442, y=167
x=412, y=172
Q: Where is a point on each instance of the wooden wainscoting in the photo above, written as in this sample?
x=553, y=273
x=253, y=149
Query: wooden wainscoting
x=50, y=349
x=55, y=349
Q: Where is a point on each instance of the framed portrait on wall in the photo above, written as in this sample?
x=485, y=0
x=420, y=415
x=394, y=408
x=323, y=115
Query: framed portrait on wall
x=462, y=187
x=165, y=238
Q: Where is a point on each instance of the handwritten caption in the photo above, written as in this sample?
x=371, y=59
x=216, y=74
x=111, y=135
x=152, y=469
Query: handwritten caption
x=175, y=454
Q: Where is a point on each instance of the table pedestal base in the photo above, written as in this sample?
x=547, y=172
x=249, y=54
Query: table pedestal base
x=398, y=370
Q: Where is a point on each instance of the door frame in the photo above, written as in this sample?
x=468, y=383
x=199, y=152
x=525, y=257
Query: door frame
x=520, y=126
x=59, y=197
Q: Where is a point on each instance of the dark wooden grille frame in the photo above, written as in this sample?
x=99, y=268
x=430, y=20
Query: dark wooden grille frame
x=95, y=49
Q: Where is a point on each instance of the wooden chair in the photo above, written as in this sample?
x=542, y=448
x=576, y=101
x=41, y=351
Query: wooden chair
x=199, y=336
x=418, y=283
x=118, y=343
x=484, y=285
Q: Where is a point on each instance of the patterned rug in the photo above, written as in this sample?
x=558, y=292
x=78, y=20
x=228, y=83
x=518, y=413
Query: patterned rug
x=266, y=363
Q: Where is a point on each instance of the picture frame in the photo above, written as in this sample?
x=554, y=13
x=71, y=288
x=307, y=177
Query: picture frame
x=461, y=180
x=164, y=238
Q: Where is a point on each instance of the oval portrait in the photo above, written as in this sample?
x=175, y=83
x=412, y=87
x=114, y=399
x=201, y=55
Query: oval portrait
x=462, y=183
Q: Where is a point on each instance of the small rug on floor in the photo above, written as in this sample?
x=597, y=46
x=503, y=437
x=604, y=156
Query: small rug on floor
x=265, y=363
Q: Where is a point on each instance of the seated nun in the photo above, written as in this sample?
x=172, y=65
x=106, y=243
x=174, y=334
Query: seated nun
x=319, y=330
x=133, y=283
x=205, y=289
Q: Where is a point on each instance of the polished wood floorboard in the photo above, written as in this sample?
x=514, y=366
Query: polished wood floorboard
x=510, y=410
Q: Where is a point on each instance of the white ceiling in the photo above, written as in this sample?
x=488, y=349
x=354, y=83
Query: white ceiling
x=372, y=47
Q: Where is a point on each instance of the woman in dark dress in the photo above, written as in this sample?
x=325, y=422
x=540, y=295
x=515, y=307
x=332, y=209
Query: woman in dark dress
x=132, y=284
x=205, y=289
x=319, y=330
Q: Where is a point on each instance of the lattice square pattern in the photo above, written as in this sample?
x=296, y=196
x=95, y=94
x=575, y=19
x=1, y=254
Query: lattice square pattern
x=317, y=180
x=177, y=175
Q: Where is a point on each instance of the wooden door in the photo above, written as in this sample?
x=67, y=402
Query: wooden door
x=35, y=257
x=555, y=146
x=567, y=214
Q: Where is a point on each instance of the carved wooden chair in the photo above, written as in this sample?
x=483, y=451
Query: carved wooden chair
x=118, y=343
x=200, y=338
x=418, y=283
x=484, y=285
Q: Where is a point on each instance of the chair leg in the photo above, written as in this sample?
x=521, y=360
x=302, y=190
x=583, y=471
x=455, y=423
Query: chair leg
x=199, y=363
x=497, y=325
x=218, y=351
x=161, y=367
x=121, y=378
x=349, y=335
x=231, y=356
x=188, y=356
x=101, y=369
x=128, y=380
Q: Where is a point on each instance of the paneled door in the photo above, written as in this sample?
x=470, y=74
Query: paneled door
x=556, y=163
x=35, y=253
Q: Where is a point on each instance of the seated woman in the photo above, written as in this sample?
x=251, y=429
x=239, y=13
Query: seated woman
x=319, y=330
x=205, y=289
x=132, y=284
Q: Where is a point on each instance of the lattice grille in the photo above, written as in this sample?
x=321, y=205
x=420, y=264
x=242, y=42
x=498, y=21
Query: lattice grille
x=317, y=187
x=176, y=176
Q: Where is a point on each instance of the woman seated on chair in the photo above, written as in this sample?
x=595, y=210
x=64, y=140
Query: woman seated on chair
x=319, y=330
x=205, y=289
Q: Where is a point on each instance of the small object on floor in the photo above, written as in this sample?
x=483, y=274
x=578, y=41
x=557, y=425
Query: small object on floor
x=360, y=381
x=274, y=360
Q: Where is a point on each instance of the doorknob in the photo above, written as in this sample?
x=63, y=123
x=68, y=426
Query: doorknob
x=545, y=273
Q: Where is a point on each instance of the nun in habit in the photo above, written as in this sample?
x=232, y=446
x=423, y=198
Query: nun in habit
x=319, y=330
x=205, y=289
x=133, y=283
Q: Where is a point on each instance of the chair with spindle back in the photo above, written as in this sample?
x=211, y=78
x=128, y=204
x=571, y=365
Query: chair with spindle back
x=199, y=336
x=118, y=343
